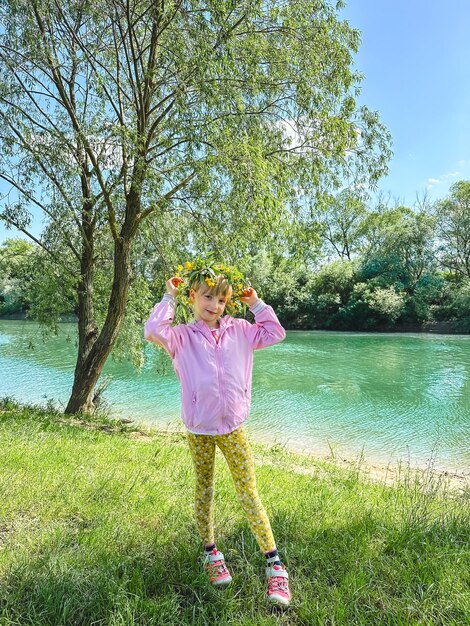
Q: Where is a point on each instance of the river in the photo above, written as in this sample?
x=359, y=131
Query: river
x=386, y=396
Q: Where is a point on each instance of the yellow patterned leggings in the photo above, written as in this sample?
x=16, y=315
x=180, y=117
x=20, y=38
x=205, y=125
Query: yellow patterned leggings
x=237, y=453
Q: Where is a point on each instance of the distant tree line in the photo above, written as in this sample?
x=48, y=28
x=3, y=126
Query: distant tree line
x=377, y=268
x=362, y=268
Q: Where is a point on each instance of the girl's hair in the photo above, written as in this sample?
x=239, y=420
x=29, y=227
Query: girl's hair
x=219, y=286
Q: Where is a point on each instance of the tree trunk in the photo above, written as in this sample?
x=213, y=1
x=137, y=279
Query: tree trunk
x=87, y=328
x=96, y=350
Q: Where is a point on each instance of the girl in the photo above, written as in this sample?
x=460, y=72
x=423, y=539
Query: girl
x=213, y=358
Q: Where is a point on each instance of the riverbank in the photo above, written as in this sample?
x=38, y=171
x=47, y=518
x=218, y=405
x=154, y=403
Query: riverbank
x=96, y=527
x=313, y=462
x=455, y=327
x=438, y=328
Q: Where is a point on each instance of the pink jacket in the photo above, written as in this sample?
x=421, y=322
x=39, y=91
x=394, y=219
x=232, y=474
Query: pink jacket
x=215, y=377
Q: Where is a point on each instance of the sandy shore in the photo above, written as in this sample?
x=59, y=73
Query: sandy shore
x=430, y=478
x=386, y=471
x=314, y=463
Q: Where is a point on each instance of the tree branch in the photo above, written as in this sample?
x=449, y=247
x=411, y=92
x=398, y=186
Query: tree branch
x=43, y=207
x=58, y=80
x=167, y=196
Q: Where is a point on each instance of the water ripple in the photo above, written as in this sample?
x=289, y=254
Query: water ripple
x=391, y=395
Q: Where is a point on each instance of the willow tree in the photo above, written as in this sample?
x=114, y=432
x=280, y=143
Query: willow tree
x=118, y=112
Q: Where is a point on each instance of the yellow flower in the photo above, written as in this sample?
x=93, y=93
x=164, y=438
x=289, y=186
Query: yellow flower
x=209, y=282
x=188, y=265
x=180, y=268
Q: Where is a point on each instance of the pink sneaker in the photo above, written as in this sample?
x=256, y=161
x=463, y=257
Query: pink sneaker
x=214, y=564
x=278, y=584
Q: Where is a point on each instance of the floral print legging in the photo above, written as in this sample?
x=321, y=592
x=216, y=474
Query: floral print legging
x=237, y=453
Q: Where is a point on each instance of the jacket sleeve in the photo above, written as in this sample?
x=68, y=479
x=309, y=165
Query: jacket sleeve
x=158, y=327
x=267, y=330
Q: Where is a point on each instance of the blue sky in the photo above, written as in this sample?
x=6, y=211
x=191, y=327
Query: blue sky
x=415, y=56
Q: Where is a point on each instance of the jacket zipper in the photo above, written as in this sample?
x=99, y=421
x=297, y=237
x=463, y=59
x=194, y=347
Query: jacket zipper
x=220, y=369
x=220, y=374
x=194, y=402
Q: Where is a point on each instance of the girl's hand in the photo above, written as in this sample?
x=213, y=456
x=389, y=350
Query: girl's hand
x=249, y=296
x=172, y=285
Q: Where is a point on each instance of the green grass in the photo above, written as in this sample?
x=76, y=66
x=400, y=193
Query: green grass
x=96, y=528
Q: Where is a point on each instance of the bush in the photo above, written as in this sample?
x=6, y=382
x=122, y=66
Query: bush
x=421, y=302
x=284, y=284
x=330, y=291
x=10, y=304
x=371, y=305
x=455, y=305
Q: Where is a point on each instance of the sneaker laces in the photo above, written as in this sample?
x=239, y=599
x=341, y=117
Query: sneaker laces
x=221, y=567
x=217, y=567
x=278, y=583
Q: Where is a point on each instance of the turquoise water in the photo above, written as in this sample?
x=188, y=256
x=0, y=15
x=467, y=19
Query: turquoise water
x=392, y=396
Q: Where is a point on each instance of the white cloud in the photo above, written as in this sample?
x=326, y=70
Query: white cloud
x=442, y=178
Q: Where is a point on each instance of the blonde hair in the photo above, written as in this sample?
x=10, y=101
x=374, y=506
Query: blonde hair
x=218, y=286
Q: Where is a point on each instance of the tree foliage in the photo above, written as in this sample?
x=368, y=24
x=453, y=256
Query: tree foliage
x=454, y=229
x=222, y=117
x=342, y=220
x=15, y=274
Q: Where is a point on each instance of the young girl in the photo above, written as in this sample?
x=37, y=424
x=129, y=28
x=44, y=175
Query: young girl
x=213, y=358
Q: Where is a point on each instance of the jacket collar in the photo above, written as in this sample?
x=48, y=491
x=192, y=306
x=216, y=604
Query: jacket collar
x=202, y=327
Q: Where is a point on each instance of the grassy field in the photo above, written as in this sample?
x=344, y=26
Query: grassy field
x=96, y=528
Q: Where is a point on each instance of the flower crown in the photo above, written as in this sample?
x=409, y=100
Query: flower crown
x=206, y=271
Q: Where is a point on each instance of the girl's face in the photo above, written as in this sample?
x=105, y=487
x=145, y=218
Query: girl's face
x=208, y=306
